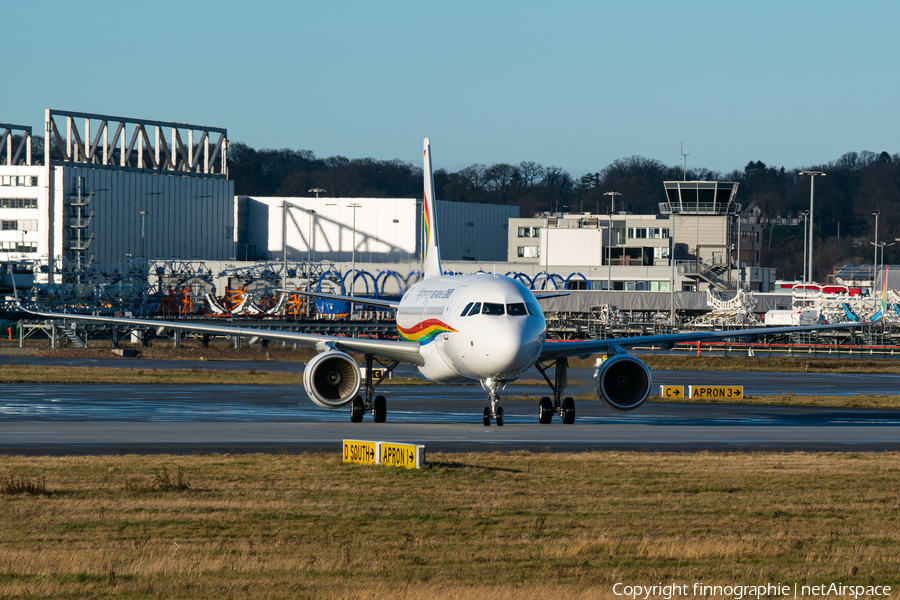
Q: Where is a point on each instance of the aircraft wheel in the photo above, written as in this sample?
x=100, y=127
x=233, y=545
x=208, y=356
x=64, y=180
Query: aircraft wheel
x=380, y=409
x=357, y=409
x=487, y=416
x=545, y=411
x=499, y=417
x=568, y=411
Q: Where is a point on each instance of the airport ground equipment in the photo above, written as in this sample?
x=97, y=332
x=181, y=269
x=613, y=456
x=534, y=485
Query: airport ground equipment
x=733, y=311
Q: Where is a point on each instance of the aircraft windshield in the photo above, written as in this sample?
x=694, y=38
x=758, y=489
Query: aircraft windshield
x=492, y=309
x=516, y=310
x=472, y=308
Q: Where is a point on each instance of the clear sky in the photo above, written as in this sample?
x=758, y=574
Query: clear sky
x=572, y=84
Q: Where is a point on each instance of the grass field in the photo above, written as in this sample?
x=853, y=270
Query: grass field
x=481, y=525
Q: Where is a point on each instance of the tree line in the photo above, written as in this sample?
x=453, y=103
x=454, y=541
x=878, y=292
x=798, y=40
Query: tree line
x=855, y=186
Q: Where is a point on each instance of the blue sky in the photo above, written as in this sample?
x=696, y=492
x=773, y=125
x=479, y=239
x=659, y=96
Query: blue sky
x=572, y=84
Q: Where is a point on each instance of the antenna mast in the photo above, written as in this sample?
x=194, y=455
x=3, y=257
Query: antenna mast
x=684, y=163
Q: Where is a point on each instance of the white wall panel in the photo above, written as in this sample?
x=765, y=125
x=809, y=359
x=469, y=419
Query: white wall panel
x=387, y=229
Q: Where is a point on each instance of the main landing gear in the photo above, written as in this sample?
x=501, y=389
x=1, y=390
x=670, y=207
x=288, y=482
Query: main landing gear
x=376, y=405
x=493, y=412
x=564, y=407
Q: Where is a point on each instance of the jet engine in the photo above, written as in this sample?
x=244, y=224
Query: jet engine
x=331, y=379
x=622, y=382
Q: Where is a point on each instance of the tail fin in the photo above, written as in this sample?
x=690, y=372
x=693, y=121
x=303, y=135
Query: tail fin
x=432, y=248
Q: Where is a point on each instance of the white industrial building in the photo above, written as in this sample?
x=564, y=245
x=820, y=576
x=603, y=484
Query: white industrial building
x=385, y=230
x=111, y=187
x=693, y=243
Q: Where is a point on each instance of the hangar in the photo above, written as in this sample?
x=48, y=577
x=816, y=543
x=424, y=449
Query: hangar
x=114, y=186
x=368, y=230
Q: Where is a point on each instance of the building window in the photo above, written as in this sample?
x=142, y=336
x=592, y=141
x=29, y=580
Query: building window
x=524, y=232
x=536, y=232
x=661, y=252
x=529, y=251
x=19, y=180
x=18, y=202
x=9, y=225
x=18, y=246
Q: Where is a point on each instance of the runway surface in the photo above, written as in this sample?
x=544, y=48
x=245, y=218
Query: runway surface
x=763, y=383
x=102, y=419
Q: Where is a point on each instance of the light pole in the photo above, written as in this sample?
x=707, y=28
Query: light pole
x=354, y=206
x=143, y=222
x=812, y=187
x=612, y=209
x=316, y=191
x=672, y=262
x=740, y=269
x=284, y=212
x=309, y=241
x=804, y=215
x=875, y=243
x=875, y=274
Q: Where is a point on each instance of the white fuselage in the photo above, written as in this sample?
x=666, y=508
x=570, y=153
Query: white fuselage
x=472, y=327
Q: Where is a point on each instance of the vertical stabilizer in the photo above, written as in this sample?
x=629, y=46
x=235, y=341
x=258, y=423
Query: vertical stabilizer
x=432, y=248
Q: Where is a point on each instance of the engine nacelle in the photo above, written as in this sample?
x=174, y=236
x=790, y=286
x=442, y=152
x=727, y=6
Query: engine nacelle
x=622, y=382
x=331, y=379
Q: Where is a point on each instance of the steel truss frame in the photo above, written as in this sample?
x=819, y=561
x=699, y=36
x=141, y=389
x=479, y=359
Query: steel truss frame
x=146, y=150
x=15, y=159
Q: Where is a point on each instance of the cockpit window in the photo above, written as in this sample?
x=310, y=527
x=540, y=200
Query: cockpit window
x=533, y=310
x=466, y=309
x=492, y=309
x=516, y=310
x=476, y=308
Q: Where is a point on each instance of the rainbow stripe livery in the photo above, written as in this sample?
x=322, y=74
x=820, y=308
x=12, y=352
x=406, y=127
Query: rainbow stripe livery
x=432, y=248
x=427, y=228
x=424, y=332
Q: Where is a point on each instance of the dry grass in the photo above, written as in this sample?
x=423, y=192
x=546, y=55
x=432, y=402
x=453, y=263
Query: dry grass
x=13, y=486
x=788, y=399
x=517, y=525
x=781, y=364
x=50, y=374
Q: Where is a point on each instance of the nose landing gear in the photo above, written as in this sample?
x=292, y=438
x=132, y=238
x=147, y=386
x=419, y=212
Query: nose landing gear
x=494, y=411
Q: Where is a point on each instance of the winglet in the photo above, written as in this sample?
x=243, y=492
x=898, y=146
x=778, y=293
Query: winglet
x=878, y=316
x=432, y=248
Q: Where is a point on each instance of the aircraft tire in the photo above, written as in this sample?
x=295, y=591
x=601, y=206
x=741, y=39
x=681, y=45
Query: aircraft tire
x=380, y=409
x=568, y=411
x=357, y=409
x=500, y=417
x=487, y=416
x=545, y=411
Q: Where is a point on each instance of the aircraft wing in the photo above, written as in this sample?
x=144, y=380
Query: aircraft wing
x=393, y=304
x=549, y=295
x=560, y=349
x=407, y=352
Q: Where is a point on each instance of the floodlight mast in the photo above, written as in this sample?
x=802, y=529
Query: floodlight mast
x=612, y=196
x=812, y=187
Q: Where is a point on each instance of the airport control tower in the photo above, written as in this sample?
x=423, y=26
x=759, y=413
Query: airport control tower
x=705, y=220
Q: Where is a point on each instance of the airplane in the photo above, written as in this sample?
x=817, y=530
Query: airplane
x=463, y=328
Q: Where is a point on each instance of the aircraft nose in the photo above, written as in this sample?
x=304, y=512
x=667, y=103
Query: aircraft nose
x=514, y=349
